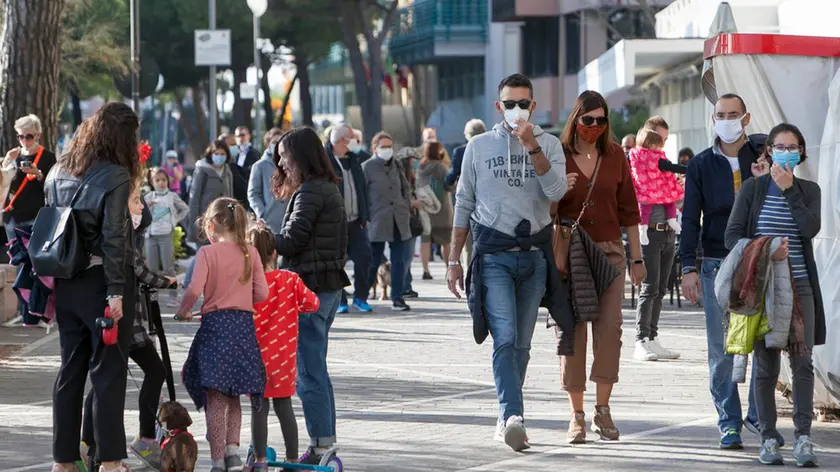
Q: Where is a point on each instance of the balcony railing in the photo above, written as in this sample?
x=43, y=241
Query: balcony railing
x=419, y=26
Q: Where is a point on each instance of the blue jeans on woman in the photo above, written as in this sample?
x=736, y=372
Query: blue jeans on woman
x=514, y=284
x=314, y=387
x=409, y=258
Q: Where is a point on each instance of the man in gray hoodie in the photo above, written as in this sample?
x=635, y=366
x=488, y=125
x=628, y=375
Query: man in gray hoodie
x=509, y=177
x=265, y=206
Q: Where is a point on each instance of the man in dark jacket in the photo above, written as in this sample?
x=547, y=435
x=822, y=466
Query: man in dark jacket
x=341, y=148
x=714, y=177
x=472, y=129
x=241, y=163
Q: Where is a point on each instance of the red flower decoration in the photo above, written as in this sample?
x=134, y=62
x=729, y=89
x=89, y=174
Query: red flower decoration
x=145, y=151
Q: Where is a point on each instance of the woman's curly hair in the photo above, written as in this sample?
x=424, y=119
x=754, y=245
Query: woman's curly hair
x=110, y=135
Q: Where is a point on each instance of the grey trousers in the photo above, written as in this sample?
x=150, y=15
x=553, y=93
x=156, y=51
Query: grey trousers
x=659, y=260
x=160, y=254
x=768, y=364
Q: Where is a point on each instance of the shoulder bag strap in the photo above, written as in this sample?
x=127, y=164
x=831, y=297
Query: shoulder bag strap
x=589, y=193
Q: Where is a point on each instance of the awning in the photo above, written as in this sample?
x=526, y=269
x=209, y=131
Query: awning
x=631, y=61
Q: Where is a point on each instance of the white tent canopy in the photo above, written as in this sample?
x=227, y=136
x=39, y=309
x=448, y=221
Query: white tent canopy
x=793, y=79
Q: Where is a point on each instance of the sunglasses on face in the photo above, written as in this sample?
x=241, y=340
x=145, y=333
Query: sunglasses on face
x=241, y=135
x=510, y=104
x=26, y=136
x=590, y=120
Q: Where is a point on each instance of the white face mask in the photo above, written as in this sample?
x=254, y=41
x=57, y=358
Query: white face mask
x=385, y=153
x=511, y=116
x=354, y=146
x=135, y=220
x=729, y=131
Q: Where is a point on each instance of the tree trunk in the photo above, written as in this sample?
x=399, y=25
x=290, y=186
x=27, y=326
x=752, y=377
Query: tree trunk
x=281, y=114
x=76, y=103
x=29, y=65
x=302, y=62
x=196, y=136
x=201, y=119
x=268, y=110
x=241, y=108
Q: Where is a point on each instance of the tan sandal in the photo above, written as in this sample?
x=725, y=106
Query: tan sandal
x=577, y=429
x=603, y=424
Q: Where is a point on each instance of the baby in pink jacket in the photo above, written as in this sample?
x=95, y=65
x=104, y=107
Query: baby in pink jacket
x=653, y=186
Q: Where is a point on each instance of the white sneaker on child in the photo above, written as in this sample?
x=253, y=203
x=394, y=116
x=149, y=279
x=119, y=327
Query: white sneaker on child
x=672, y=222
x=643, y=236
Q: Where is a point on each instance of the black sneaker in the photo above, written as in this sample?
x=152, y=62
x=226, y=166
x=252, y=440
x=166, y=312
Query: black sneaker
x=427, y=276
x=410, y=294
x=400, y=305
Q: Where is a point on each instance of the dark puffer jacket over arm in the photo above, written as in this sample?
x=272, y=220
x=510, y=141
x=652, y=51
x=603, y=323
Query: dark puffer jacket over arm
x=313, y=241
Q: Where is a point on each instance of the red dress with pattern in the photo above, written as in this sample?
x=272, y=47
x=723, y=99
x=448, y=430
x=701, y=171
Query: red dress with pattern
x=276, y=321
x=652, y=185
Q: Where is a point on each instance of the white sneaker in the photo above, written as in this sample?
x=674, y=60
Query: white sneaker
x=643, y=351
x=662, y=352
x=515, y=435
x=643, y=236
x=672, y=222
x=500, y=431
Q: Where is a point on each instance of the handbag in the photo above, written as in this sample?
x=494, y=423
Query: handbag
x=415, y=224
x=563, y=229
x=55, y=248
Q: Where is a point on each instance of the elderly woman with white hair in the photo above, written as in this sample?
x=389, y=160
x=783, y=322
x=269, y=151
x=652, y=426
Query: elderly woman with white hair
x=23, y=172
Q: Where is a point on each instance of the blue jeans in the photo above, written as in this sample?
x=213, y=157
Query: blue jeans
x=398, y=266
x=409, y=258
x=514, y=284
x=724, y=391
x=314, y=387
x=358, y=251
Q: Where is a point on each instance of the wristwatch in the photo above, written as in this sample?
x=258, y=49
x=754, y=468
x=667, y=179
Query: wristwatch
x=453, y=263
x=689, y=270
x=536, y=150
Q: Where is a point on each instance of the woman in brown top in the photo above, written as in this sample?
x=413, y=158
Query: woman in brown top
x=587, y=138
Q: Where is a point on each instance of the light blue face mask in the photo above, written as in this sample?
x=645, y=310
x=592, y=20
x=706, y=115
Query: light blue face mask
x=219, y=160
x=234, y=152
x=786, y=158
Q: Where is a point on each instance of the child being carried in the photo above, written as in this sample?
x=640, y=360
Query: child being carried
x=653, y=186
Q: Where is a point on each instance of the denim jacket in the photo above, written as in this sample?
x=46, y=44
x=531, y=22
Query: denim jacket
x=487, y=240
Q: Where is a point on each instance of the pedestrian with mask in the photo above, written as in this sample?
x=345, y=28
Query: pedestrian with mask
x=713, y=180
x=513, y=263
x=240, y=165
x=266, y=206
x=341, y=149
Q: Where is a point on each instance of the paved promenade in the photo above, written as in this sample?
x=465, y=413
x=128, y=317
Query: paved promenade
x=415, y=393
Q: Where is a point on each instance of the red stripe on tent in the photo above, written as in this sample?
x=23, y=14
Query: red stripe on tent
x=772, y=44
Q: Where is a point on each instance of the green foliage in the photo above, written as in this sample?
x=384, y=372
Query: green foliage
x=629, y=120
x=94, y=45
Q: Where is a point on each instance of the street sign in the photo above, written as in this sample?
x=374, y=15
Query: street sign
x=212, y=47
x=247, y=91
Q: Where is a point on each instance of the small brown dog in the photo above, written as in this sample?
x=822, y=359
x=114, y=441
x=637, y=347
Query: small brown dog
x=383, y=279
x=179, y=451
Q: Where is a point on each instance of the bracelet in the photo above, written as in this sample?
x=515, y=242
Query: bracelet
x=113, y=297
x=453, y=263
x=638, y=261
x=536, y=150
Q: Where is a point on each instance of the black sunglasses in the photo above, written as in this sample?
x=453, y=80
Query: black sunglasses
x=26, y=136
x=589, y=120
x=241, y=135
x=523, y=104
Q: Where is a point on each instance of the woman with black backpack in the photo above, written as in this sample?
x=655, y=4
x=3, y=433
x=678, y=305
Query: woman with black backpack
x=94, y=179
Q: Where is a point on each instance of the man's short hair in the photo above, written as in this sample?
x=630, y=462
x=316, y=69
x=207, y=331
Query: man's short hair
x=656, y=121
x=729, y=96
x=515, y=81
x=686, y=151
x=28, y=122
x=339, y=132
x=474, y=127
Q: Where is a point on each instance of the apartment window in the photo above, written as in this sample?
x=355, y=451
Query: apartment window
x=540, y=46
x=460, y=79
x=573, y=59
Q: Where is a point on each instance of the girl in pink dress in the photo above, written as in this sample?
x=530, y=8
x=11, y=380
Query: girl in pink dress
x=653, y=186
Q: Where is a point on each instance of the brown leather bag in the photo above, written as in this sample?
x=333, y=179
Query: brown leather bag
x=563, y=231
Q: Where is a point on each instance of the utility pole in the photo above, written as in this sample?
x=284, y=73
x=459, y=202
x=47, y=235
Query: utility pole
x=258, y=8
x=134, y=7
x=214, y=116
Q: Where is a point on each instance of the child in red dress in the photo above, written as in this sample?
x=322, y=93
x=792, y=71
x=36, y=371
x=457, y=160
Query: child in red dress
x=276, y=321
x=653, y=186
